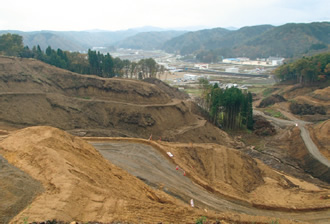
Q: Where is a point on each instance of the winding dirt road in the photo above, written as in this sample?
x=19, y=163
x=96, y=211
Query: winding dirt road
x=149, y=165
x=312, y=148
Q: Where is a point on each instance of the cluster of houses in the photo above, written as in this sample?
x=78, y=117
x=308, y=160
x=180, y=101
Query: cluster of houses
x=194, y=78
x=271, y=61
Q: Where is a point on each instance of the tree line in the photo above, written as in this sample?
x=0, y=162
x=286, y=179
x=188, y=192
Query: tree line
x=228, y=108
x=307, y=70
x=91, y=63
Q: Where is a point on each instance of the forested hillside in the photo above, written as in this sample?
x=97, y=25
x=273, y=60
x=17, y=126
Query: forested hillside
x=289, y=40
x=193, y=41
x=95, y=63
x=213, y=39
x=307, y=70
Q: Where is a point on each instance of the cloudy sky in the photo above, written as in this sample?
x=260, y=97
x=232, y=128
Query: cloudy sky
x=32, y=15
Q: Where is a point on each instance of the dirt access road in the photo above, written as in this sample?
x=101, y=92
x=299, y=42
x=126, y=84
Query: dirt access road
x=149, y=165
x=312, y=148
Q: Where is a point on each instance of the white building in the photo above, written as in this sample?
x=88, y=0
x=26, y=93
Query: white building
x=275, y=61
x=201, y=66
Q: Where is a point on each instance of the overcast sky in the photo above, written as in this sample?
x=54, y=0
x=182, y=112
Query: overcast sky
x=33, y=15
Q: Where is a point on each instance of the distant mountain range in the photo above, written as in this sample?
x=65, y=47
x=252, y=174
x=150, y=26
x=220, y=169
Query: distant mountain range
x=288, y=40
x=148, y=40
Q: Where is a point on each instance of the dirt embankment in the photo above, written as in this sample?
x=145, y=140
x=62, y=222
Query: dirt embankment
x=17, y=190
x=232, y=173
x=320, y=133
x=34, y=93
x=311, y=97
x=79, y=184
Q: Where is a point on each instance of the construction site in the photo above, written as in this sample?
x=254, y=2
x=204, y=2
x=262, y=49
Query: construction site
x=86, y=149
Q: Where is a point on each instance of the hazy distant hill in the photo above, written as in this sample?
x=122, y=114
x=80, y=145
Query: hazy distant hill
x=288, y=40
x=77, y=40
x=193, y=41
x=256, y=41
x=148, y=40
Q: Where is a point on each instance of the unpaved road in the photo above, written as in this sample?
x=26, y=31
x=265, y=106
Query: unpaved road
x=148, y=164
x=304, y=133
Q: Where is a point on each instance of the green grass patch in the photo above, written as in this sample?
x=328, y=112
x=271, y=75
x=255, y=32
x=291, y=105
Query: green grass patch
x=274, y=113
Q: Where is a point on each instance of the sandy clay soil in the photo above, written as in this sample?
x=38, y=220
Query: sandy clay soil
x=80, y=184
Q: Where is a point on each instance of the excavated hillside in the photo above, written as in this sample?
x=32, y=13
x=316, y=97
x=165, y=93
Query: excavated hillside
x=312, y=98
x=305, y=108
x=320, y=134
x=34, y=93
x=79, y=184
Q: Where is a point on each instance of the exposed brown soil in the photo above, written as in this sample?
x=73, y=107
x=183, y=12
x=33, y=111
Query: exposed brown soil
x=34, y=93
x=17, y=190
x=81, y=185
x=271, y=100
x=320, y=134
x=311, y=96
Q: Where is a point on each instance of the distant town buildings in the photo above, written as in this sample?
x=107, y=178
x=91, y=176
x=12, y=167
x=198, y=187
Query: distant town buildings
x=271, y=61
x=275, y=61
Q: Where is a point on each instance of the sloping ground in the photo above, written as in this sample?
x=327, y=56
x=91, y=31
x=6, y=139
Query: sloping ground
x=171, y=91
x=17, y=190
x=234, y=175
x=81, y=185
x=320, y=134
x=311, y=96
x=34, y=93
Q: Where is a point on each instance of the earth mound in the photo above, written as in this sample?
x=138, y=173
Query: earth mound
x=271, y=100
x=34, y=93
x=304, y=109
x=80, y=184
x=262, y=127
x=311, y=102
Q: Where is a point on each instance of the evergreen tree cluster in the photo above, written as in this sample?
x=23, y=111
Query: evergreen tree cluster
x=306, y=70
x=93, y=63
x=230, y=108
